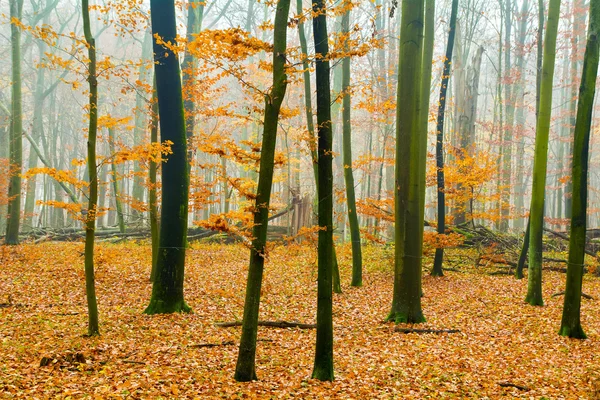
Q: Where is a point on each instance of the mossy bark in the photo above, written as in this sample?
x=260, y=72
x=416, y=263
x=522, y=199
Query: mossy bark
x=439, y=144
x=245, y=369
x=571, y=318
x=323, y=365
x=167, y=289
x=406, y=302
x=16, y=129
x=90, y=224
x=540, y=161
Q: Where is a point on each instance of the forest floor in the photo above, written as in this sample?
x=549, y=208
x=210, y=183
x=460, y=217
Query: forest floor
x=502, y=340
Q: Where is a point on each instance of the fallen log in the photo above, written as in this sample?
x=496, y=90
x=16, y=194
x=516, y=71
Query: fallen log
x=271, y=324
x=565, y=237
x=414, y=330
x=514, y=385
x=202, y=345
x=585, y=296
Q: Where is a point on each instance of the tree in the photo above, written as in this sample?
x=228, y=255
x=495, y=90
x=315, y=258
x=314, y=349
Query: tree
x=406, y=302
x=540, y=161
x=16, y=128
x=167, y=289
x=245, y=369
x=571, y=324
x=323, y=366
x=90, y=222
x=439, y=144
x=347, y=151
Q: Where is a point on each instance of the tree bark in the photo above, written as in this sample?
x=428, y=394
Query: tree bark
x=323, y=365
x=90, y=223
x=406, y=302
x=534, y=287
x=16, y=129
x=245, y=369
x=167, y=289
x=571, y=317
x=439, y=146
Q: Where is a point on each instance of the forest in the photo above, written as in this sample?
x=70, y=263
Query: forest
x=274, y=199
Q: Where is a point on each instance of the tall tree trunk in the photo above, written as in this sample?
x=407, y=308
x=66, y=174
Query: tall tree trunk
x=347, y=152
x=337, y=288
x=245, y=369
x=167, y=289
x=16, y=130
x=90, y=224
x=534, y=287
x=571, y=320
x=323, y=366
x=152, y=198
x=439, y=146
x=406, y=302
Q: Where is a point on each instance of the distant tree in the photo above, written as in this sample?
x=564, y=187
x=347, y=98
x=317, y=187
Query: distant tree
x=16, y=129
x=571, y=322
x=540, y=161
x=245, y=369
x=167, y=289
x=439, y=145
x=323, y=366
x=90, y=222
x=406, y=302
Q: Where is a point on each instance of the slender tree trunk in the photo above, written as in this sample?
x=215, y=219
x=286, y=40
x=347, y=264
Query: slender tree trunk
x=115, y=181
x=534, y=288
x=439, y=146
x=337, y=288
x=16, y=129
x=323, y=366
x=347, y=152
x=406, y=302
x=427, y=64
x=167, y=290
x=140, y=116
x=245, y=369
x=90, y=225
x=509, y=100
x=152, y=198
x=571, y=320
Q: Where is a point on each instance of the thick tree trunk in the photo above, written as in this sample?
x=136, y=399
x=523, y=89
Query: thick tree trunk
x=245, y=369
x=571, y=322
x=167, y=290
x=323, y=366
x=90, y=223
x=439, y=146
x=534, y=288
x=406, y=302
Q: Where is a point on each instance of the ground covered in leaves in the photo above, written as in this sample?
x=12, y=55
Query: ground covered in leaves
x=502, y=340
